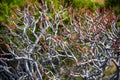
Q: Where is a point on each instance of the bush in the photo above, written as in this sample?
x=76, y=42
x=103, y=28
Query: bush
x=43, y=46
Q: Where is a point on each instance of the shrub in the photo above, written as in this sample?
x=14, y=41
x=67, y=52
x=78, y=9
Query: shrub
x=43, y=46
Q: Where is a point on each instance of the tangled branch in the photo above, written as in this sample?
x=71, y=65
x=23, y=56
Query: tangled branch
x=47, y=44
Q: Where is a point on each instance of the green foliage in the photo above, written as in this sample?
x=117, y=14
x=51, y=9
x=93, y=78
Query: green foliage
x=7, y=6
x=100, y=5
x=113, y=4
x=118, y=24
x=83, y=4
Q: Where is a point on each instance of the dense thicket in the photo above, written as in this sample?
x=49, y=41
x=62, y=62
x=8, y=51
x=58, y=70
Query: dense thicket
x=46, y=41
